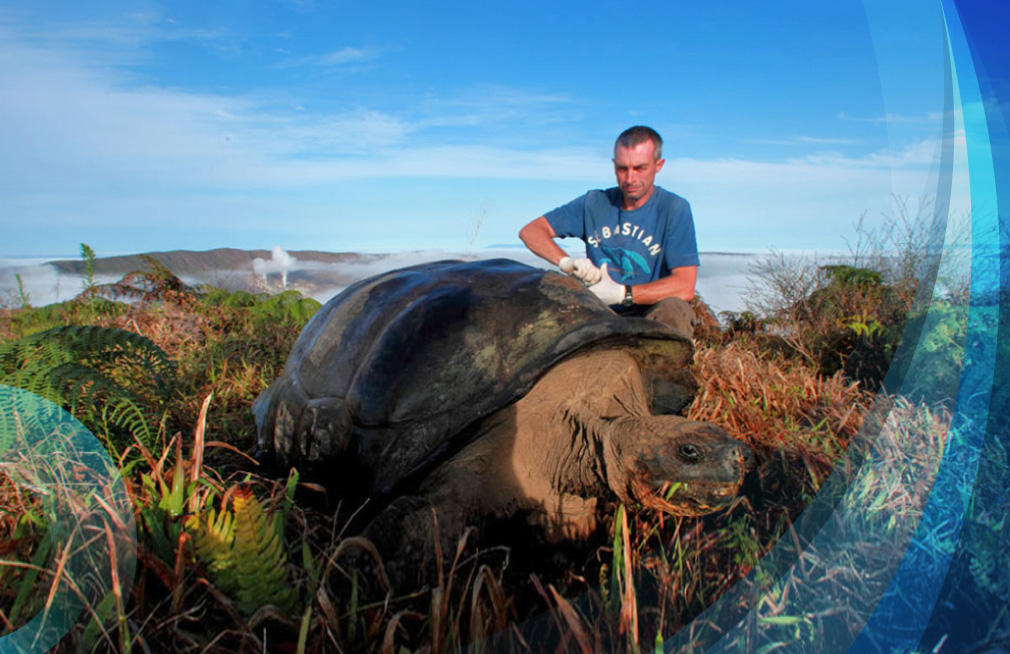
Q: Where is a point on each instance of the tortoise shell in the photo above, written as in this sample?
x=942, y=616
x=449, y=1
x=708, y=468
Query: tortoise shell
x=396, y=372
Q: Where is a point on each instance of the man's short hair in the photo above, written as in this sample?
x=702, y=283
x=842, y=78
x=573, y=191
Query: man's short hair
x=638, y=134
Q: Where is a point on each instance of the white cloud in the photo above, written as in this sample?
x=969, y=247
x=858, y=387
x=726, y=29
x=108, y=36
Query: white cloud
x=892, y=118
x=41, y=283
x=804, y=140
x=487, y=104
x=344, y=55
x=337, y=58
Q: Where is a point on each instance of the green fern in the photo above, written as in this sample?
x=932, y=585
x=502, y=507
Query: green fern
x=22, y=294
x=259, y=557
x=112, y=380
x=213, y=536
x=244, y=554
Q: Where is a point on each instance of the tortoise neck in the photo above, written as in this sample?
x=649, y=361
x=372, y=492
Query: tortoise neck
x=576, y=469
x=598, y=458
x=569, y=415
x=620, y=451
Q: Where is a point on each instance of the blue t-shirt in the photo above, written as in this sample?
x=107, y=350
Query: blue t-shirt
x=638, y=246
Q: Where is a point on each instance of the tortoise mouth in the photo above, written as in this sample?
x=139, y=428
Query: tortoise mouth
x=679, y=498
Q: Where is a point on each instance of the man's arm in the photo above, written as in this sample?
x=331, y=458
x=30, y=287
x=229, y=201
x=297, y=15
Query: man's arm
x=539, y=236
x=680, y=283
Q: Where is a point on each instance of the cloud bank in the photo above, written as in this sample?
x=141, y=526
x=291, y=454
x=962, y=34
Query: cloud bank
x=722, y=279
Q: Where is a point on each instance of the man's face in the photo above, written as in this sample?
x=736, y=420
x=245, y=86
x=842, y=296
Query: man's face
x=636, y=169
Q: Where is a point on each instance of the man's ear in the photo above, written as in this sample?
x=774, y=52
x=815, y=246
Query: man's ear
x=659, y=164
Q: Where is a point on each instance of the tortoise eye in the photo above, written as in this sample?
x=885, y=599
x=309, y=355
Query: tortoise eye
x=689, y=453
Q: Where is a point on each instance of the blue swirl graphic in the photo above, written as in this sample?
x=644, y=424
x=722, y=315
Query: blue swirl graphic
x=91, y=532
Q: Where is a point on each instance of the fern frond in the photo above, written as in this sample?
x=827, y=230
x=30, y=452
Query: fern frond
x=124, y=414
x=213, y=536
x=92, y=372
x=260, y=560
x=95, y=346
x=109, y=346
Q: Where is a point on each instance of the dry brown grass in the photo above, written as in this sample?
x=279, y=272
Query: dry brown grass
x=776, y=403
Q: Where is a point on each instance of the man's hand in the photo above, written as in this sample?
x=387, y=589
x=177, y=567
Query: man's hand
x=582, y=268
x=587, y=271
x=607, y=289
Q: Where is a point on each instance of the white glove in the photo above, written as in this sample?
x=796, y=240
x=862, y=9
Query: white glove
x=582, y=268
x=607, y=289
x=587, y=271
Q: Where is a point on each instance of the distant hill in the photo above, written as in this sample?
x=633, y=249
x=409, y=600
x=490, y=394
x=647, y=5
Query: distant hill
x=189, y=262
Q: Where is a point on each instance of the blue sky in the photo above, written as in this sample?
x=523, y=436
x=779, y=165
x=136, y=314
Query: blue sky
x=389, y=125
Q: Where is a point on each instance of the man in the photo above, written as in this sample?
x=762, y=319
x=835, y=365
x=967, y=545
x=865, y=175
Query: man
x=642, y=257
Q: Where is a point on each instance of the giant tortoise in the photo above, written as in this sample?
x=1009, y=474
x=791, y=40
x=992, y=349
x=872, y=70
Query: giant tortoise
x=493, y=389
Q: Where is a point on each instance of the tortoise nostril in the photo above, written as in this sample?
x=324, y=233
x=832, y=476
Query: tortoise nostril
x=689, y=453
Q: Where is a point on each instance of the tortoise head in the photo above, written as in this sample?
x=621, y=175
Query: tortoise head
x=675, y=465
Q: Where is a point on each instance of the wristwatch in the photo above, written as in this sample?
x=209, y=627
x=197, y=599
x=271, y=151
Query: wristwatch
x=628, y=299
